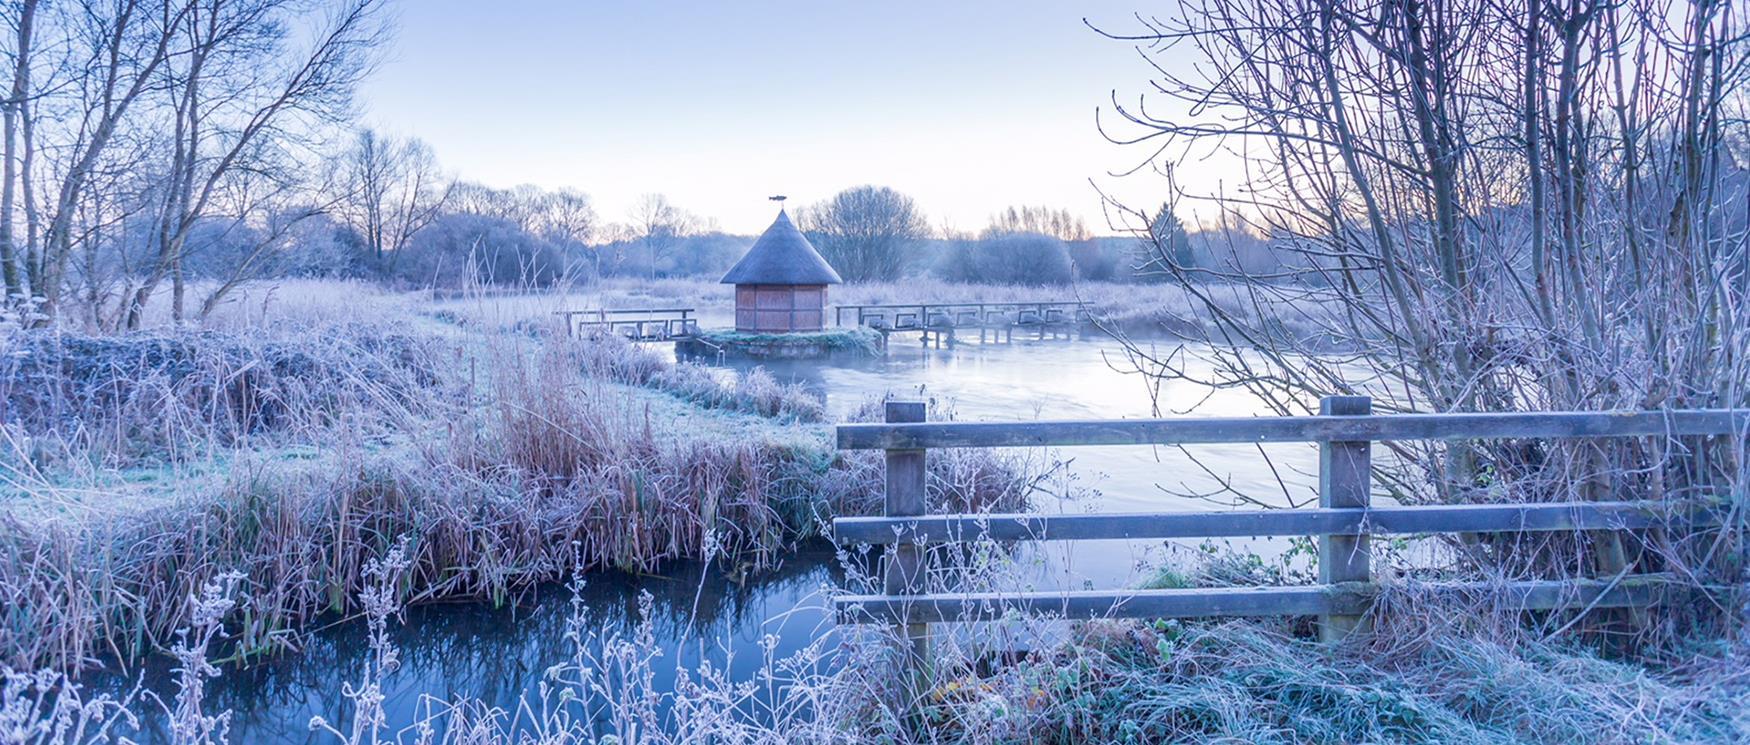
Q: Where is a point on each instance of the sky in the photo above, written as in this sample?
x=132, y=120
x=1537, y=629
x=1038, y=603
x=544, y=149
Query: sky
x=968, y=107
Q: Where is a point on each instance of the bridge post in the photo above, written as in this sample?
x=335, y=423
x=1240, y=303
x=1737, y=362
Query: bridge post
x=904, y=570
x=1345, y=478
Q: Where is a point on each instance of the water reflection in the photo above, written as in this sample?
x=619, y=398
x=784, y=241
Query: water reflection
x=1084, y=378
x=500, y=654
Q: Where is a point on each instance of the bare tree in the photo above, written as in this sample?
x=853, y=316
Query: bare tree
x=1493, y=205
x=865, y=231
x=11, y=109
x=1057, y=223
x=571, y=218
x=393, y=189
x=187, y=111
x=660, y=226
x=239, y=96
x=119, y=49
x=570, y=215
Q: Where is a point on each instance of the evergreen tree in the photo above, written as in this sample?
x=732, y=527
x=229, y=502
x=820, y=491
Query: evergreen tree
x=1166, y=241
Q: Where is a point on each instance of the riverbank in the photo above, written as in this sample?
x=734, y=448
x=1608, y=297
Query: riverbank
x=837, y=343
x=141, y=467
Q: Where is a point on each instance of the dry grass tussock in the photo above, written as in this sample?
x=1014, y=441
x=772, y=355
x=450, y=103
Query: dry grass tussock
x=293, y=458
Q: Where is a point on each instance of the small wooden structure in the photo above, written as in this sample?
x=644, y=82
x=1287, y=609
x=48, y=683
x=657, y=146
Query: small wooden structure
x=780, y=285
x=636, y=324
x=946, y=320
x=1345, y=519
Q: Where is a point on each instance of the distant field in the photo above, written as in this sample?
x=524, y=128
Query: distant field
x=1142, y=310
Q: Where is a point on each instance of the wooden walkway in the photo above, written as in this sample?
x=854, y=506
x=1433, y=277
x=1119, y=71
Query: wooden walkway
x=635, y=324
x=1344, y=521
x=945, y=321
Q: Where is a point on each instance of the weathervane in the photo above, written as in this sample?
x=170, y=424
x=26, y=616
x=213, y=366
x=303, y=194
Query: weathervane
x=779, y=198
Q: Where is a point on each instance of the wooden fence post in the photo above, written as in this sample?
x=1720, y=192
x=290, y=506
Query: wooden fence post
x=1345, y=479
x=906, y=497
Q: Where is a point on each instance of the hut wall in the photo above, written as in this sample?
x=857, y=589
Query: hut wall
x=780, y=308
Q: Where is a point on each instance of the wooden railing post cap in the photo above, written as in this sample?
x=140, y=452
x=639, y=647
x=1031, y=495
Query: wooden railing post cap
x=901, y=412
x=1345, y=405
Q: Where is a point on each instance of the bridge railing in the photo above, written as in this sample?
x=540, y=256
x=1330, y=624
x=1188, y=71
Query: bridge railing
x=934, y=316
x=1343, y=522
x=638, y=324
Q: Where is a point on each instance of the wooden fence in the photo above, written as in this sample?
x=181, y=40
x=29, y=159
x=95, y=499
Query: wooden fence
x=1343, y=522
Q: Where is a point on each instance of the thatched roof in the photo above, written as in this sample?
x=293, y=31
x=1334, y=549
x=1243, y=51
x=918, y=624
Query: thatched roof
x=782, y=256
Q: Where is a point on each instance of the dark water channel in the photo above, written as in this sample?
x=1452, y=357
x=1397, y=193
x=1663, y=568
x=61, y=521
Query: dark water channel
x=500, y=655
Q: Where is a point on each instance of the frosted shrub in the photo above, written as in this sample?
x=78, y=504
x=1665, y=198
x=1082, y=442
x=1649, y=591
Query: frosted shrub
x=380, y=601
x=189, y=723
x=48, y=708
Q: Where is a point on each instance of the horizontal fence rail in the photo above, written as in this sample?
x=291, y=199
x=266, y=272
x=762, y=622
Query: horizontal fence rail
x=1318, y=600
x=1343, y=523
x=1465, y=518
x=603, y=312
x=1218, y=430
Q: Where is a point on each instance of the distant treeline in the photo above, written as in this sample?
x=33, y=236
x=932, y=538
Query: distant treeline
x=528, y=236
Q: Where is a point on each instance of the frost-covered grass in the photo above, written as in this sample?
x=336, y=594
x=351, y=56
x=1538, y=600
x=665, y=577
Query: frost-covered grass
x=853, y=342
x=135, y=469
x=1433, y=676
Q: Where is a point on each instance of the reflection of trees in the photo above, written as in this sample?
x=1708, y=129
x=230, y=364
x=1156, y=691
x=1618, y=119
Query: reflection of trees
x=497, y=655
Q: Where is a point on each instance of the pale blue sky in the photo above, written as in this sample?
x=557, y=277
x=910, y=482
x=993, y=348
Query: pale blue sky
x=966, y=106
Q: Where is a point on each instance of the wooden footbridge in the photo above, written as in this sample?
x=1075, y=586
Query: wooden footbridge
x=1344, y=521
x=945, y=321
x=635, y=324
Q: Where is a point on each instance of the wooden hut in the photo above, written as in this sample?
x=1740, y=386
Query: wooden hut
x=780, y=285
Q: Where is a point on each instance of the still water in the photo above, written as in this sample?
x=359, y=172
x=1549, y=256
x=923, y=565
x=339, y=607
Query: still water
x=501, y=654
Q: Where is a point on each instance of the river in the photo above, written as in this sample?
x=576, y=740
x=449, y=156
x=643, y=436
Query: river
x=501, y=654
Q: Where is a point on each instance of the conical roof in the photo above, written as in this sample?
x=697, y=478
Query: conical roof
x=782, y=256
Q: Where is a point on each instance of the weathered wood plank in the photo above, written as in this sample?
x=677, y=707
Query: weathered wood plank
x=1478, y=518
x=1351, y=599
x=1200, y=430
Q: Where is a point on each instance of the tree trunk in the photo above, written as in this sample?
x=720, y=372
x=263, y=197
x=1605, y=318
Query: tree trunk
x=15, y=101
